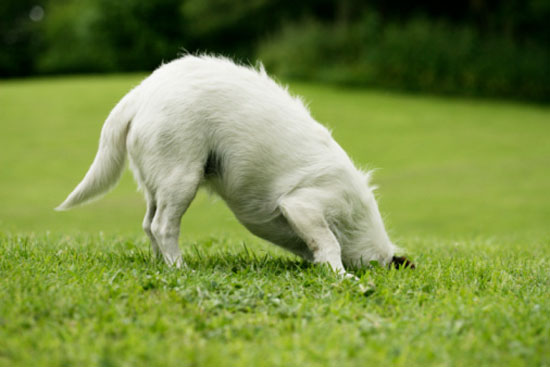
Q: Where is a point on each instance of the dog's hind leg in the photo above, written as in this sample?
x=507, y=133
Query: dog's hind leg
x=307, y=219
x=172, y=200
x=148, y=220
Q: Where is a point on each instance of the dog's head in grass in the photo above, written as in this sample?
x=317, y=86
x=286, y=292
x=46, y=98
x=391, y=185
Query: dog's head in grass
x=401, y=262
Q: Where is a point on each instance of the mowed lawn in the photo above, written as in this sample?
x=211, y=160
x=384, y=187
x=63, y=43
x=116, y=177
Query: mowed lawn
x=464, y=188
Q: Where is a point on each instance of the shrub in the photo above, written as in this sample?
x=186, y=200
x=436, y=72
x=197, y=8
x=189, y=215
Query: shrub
x=104, y=35
x=416, y=55
x=73, y=40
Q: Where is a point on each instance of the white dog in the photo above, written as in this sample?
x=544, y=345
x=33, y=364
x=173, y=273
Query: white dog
x=206, y=121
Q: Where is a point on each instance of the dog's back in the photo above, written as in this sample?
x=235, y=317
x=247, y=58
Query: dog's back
x=255, y=141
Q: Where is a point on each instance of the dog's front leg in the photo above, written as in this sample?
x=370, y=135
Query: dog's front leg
x=306, y=218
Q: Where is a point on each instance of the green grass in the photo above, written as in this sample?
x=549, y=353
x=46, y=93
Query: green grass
x=464, y=185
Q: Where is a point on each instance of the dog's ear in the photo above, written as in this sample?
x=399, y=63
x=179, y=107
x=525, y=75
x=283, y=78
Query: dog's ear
x=401, y=262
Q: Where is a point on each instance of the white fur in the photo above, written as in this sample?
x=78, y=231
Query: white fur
x=281, y=173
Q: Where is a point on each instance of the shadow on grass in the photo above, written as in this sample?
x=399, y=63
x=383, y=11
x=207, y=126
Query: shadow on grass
x=229, y=261
x=241, y=262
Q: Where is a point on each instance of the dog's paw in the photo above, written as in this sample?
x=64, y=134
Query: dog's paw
x=367, y=289
x=345, y=275
x=175, y=262
x=351, y=276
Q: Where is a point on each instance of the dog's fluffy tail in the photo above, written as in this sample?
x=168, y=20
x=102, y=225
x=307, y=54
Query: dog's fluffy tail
x=108, y=164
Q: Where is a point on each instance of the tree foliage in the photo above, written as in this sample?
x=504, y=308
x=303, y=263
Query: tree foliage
x=509, y=37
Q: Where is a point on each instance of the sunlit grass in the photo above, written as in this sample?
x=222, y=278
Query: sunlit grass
x=92, y=300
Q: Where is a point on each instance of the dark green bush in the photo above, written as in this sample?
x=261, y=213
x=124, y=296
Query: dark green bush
x=416, y=55
x=20, y=37
x=74, y=44
x=141, y=34
x=499, y=49
x=104, y=35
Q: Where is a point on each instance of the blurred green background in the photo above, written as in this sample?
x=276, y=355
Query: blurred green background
x=468, y=156
x=495, y=48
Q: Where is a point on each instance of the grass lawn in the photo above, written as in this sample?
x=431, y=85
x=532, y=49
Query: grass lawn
x=464, y=186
